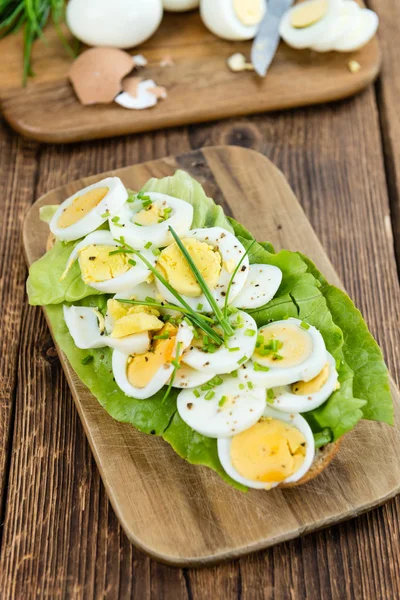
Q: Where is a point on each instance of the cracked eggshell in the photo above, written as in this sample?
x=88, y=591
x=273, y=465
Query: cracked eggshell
x=118, y=24
x=97, y=73
x=144, y=97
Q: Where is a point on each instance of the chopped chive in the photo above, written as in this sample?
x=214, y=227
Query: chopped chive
x=137, y=224
x=156, y=251
x=205, y=387
x=176, y=364
x=258, y=367
x=236, y=349
x=210, y=395
x=270, y=396
x=241, y=386
x=205, y=340
x=196, y=393
x=234, y=373
x=132, y=262
x=242, y=360
x=250, y=332
x=115, y=219
x=88, y=359
x=199, y=307
x=304, y=325
x=222, y=401
x=250, y=385
x=277, y=357
x=217, y=380
x=195, y=334
x=148, y=245
x=211, y=348
x=161, y=336
x=105, y=215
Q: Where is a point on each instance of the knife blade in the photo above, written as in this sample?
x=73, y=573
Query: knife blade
x=267, y=40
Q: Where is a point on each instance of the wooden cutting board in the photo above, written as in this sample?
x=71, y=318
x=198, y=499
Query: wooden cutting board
x=184, y=514
x=200, y=85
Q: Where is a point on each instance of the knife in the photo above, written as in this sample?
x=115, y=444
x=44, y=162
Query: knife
x=267, y=40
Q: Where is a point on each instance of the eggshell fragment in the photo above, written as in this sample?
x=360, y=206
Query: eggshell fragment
x=139, y=60
x=237, y=62
x=144, y=98
x=159, y=92
x=130, y=85
x=97, y=73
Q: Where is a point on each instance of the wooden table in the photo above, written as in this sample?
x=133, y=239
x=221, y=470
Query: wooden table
x=59, y=537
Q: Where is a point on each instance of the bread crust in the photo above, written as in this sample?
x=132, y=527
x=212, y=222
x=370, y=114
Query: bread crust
x=323, y=458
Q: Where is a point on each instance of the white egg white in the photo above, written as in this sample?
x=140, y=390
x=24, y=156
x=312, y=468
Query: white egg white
x=180, y=5
x=286, y=401
x=158, y=234
x=343, y=23
x=277, y=374
x=308, y=36
x=365, y=27
x=83, y=326
x=224, y=451
x=236, y=351
x=213, y=418
x=160, y=378
x=186, y=377
x=230, y=249
x=134, y=276
x=261, y=286
x=222, y=18
x=110, y=205
x=143, y=99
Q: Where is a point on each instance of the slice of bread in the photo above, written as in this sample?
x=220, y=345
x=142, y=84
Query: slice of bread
x=323, y=457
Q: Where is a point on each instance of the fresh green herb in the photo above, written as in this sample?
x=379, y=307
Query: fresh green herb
x=258, y=367
x=277, y=357
x=234, y=374
x=156, y=251
x=228, y=291
x=105, y=215
x=242, y=360
x=161, y=336
x=217, y=380
x=241, y=386
x=235, y=349
x=115, y=219
x=250, y=332
x=137, y=224
x=196, y=393
x=210, y=395
x=148, y=245
x=199, y=307
x=250, y=385
x=132, y=262
x=222, y=401
x=270, y=396
x=304, y=325
x=88, y=359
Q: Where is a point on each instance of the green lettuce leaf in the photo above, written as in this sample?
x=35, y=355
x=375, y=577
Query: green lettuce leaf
x=46, y=213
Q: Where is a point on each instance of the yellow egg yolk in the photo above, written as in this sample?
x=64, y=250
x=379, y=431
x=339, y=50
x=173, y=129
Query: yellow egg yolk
x=143, y=367
x=173, y=266
x=149, y=216
x=270, y=451
x=294, y=346
x=305, y=388
x=97, y=265
x=309, y=13
x=81, y=206
x=128, y=319
x=249, y=12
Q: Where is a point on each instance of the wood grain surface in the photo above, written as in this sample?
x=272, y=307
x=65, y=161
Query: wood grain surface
x=188, y=523
x=59, y=536
x=200, y=85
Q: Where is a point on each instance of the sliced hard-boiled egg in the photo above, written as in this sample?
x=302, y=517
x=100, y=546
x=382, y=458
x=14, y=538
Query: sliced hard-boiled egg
x=223, y=410
x=180, y=5
x=86, y=329
x=233, y=19
x=89, y=208
x=216, y=253
x=186, y=377
x=286, y=351
x=365, y=27
x=278, y=449
x=306, y=23
x=303, y=396
x=236, y=350
x=107, y=272
x=139, y=292
x=261, y=286
x=343, y=23
x=143, y=375
x=145, y=222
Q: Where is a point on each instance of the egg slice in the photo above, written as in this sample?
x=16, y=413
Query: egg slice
x=341, y=25
x=261, y=286
x=146, y=221
x=89, y=208
x=216, y=252
x=236, y=351
x=180, y=5
x=186, y=377
x=139, y=292
x=304, y=396
x=144, y=375
x=85, y=327
x=233, y=19
x=108, y=273
x=365, y=27
x=288, y=351
x=222, y=411
x=307, y=23
x=278, y=449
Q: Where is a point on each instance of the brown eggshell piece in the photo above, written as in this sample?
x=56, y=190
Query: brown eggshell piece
x=97, y=73
x=130, y=85
x=159, y=92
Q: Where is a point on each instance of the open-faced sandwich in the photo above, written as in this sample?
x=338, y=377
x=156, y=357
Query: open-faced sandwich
x=243, y=359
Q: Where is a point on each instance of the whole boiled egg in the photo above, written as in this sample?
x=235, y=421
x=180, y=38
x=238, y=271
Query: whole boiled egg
x=233, y=19
x=278, y=448
x=119, y=24
x=180, y=5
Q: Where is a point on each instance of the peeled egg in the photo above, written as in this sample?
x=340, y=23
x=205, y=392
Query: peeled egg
x=223, y=411
x=146, y=221
x=228, y=253
x=119, y=24
x=261, y=286
x=307, y=23
x=186, y=377
x=366, y=25
x=251, y=452
x=162, y=374
x=236, y=351
x=108, y=273
x=300, y=355
x=233, y=19
x=343, y=23
x=304, y=396
x=180, y=5
x=88, y=209
x=84, y=327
